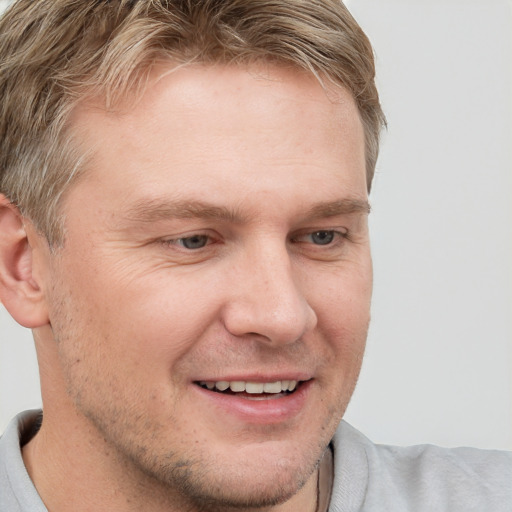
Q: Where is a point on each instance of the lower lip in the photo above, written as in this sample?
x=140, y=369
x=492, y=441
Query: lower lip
x=256, y=411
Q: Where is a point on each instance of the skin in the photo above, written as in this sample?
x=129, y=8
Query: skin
x=248, y=165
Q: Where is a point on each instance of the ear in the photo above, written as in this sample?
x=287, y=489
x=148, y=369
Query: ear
x=20, y=292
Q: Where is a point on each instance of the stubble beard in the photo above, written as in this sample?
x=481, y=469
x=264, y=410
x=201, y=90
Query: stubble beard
x=189, y=481
x=185, y=479
x=192, y=484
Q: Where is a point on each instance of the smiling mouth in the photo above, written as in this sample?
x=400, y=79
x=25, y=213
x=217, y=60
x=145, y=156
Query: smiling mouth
x=252, y=390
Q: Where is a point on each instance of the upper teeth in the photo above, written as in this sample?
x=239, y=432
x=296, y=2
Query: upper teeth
x=251, y=387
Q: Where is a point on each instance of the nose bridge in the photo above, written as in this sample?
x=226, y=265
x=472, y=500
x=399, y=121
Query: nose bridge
x=267, y=299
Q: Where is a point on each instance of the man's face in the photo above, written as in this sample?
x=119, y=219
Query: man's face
x=220, y=236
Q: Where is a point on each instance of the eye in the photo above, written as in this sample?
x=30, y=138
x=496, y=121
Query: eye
x=328, y=238
x=322, y=237
x=193, y=242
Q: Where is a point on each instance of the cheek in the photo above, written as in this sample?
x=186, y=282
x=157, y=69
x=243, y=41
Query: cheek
x=143, y=330
x=343, y=312
x=341, y=298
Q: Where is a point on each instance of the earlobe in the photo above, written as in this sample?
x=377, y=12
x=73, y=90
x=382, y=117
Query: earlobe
x=20, y=292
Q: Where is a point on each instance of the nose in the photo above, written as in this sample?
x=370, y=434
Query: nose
x=265, y=299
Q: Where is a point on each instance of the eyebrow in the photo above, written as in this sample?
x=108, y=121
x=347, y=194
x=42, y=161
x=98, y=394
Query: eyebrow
x=155, y=210
x=339, y=207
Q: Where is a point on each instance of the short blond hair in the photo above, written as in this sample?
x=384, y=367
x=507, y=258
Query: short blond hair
x=54, y=53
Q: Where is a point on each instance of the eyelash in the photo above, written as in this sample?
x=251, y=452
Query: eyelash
x=336, y=237
x=179, y=241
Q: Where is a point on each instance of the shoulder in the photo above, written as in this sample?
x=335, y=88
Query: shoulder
x=17, y=492
x=421, y=478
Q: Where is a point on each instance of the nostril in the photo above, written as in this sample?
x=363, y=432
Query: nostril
x=279, y=325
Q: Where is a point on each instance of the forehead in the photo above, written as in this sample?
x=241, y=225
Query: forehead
x=207, y=121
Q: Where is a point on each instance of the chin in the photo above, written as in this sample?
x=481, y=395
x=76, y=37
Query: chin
x=232, y=489
x=255, y=478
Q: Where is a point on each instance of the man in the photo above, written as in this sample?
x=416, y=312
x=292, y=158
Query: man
x=183, y=226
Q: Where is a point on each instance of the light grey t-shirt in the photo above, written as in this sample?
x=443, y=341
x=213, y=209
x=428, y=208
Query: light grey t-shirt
x=367, y=477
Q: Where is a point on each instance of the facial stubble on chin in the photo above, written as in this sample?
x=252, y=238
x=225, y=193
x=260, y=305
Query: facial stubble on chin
x=189, y=482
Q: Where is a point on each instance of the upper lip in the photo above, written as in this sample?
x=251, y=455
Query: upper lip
x=258, y=377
